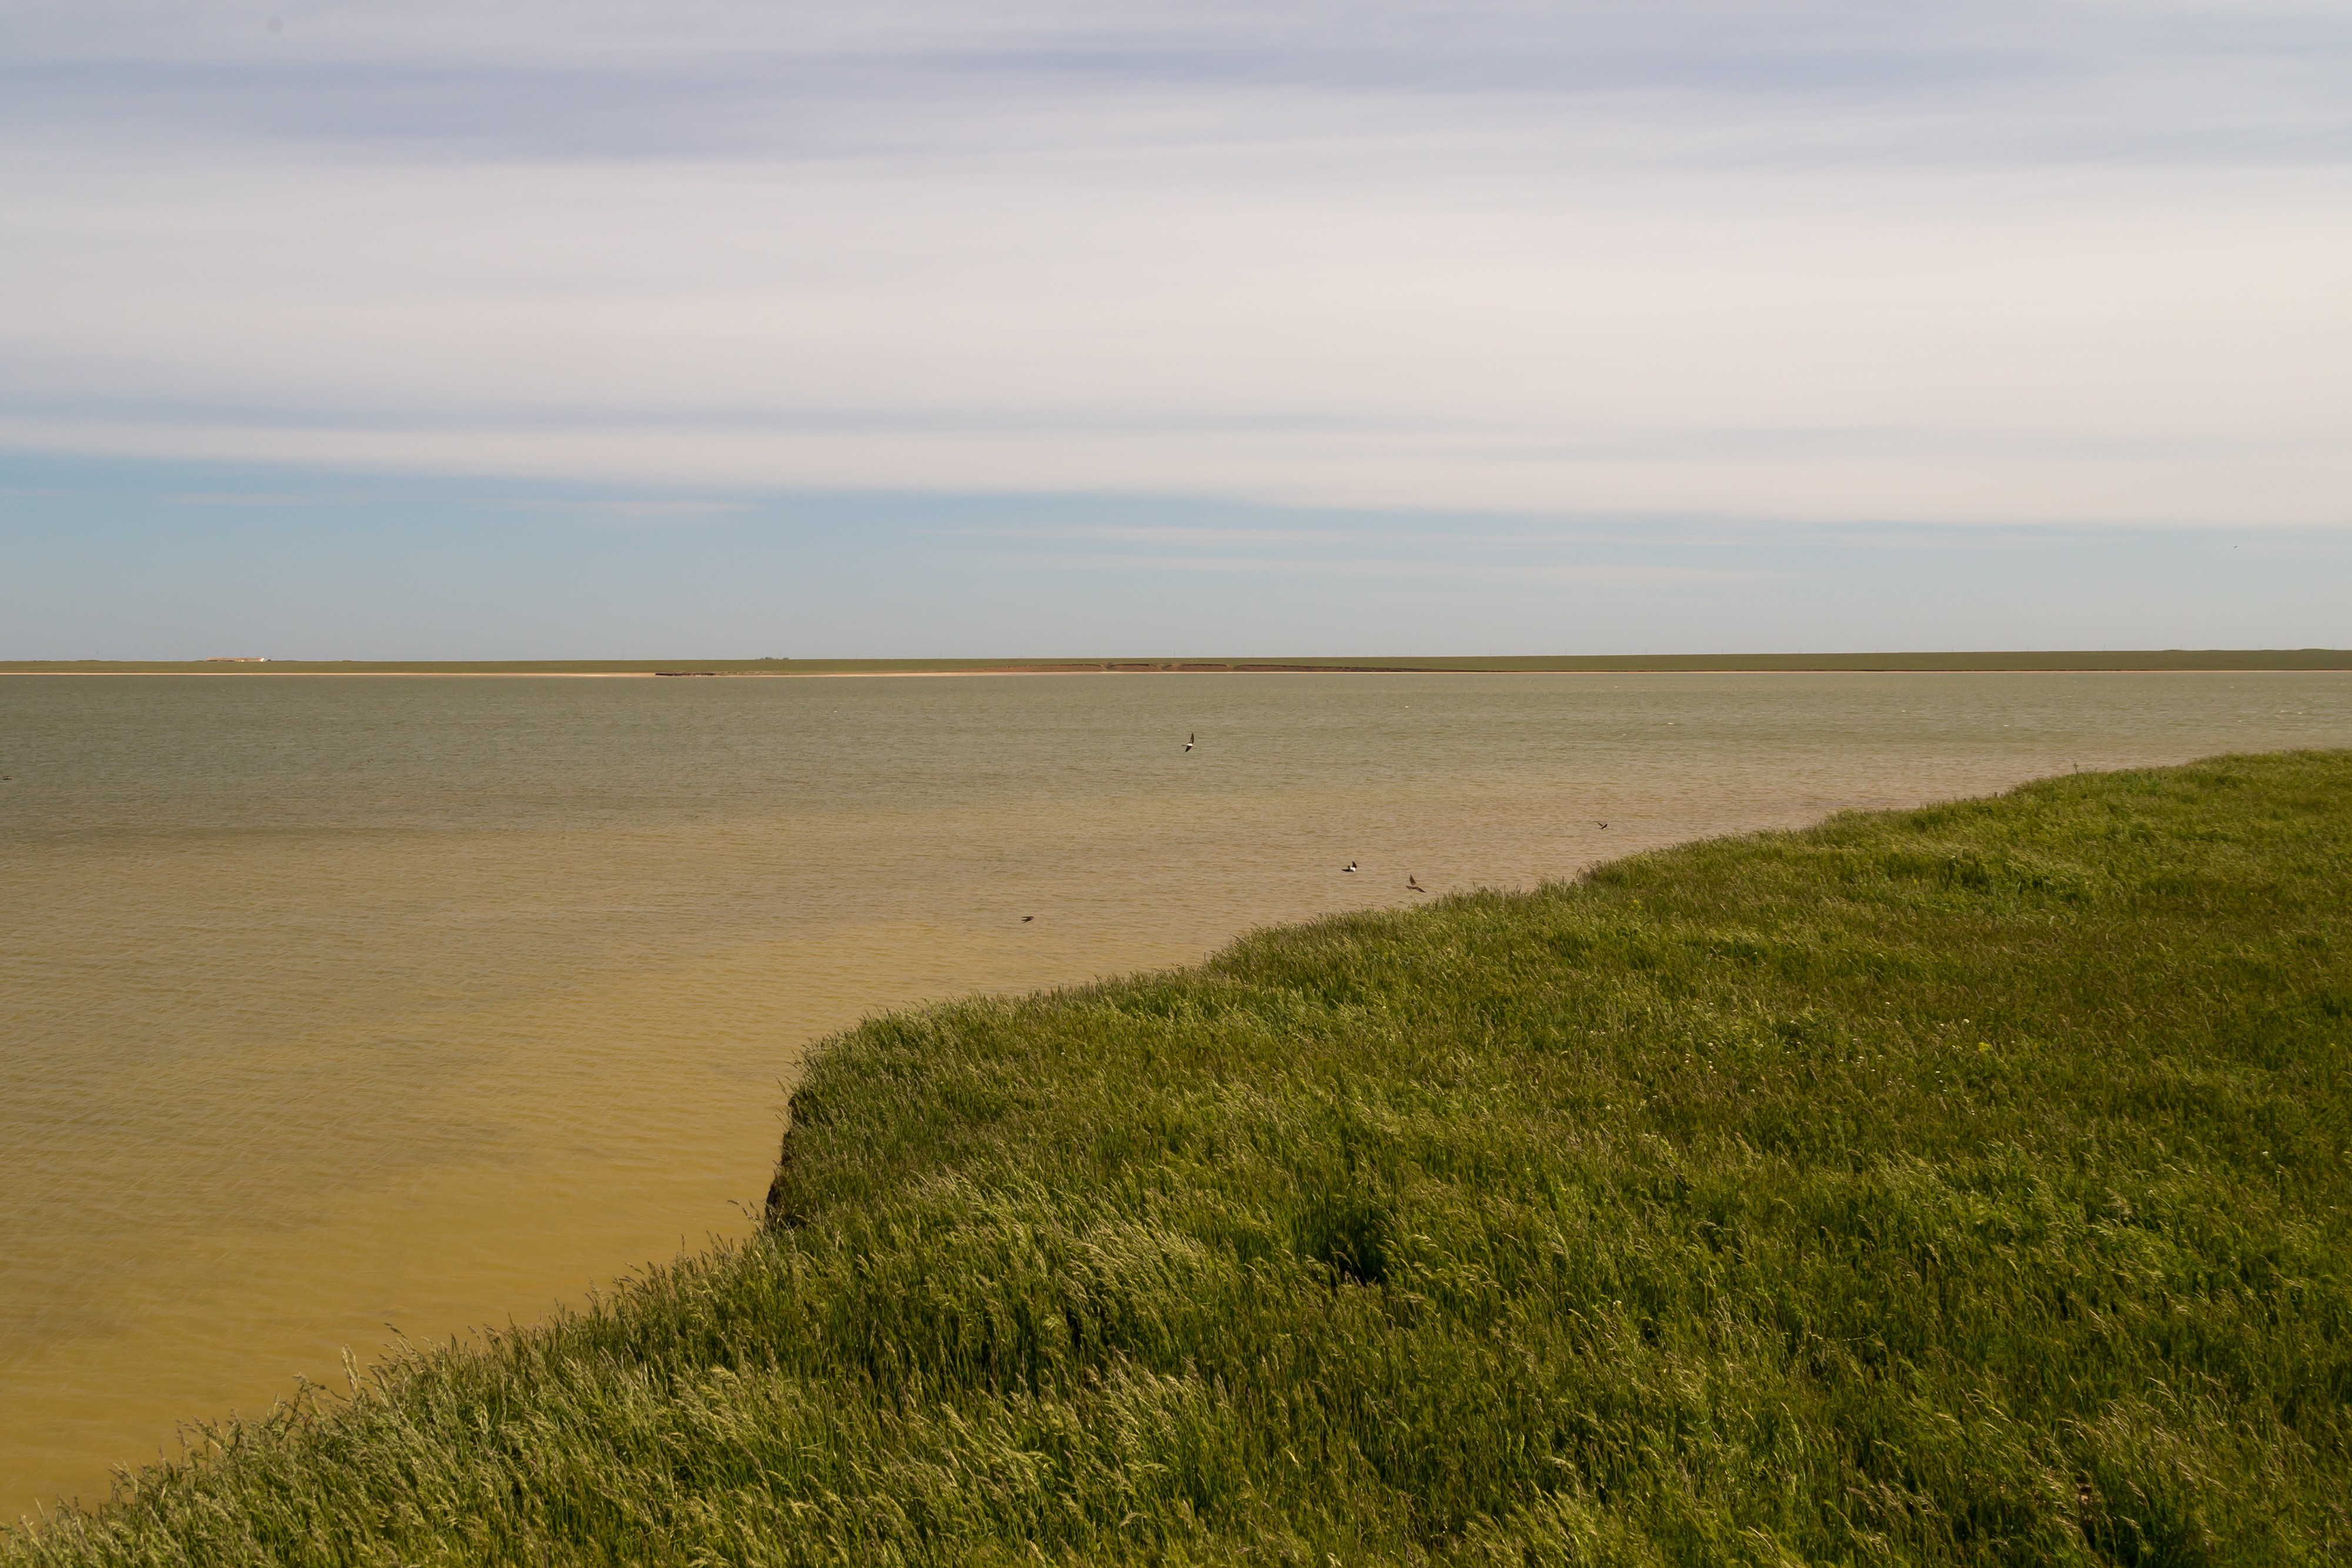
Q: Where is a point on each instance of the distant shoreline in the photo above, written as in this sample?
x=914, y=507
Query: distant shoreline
x=2169, y=661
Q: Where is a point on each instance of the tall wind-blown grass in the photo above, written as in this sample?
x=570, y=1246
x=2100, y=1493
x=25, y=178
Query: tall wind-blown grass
x=1965, y=1184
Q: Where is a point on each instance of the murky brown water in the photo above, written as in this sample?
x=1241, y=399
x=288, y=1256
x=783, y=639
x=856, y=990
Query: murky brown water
x=333, y=1005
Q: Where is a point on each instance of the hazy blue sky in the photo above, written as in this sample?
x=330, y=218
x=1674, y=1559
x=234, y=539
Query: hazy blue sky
x=525, y=329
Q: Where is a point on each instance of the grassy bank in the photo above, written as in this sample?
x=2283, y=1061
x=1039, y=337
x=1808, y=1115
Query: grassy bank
x=1958, y=1186
x=1596, y=663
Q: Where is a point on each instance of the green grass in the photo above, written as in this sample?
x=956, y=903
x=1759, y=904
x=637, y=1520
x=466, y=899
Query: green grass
x=1596, y=663
x=1966, y=1185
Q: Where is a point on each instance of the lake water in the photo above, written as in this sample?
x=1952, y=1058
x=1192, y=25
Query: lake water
x=332, y=1007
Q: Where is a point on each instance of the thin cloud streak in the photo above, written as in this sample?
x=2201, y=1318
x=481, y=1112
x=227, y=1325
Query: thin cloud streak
x=661, y=510
x=543, y=81
x=1359, y=538
x=1515, y=574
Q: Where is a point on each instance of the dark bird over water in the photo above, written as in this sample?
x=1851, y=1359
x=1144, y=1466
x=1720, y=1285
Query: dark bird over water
x=1027, y=918
x=1190, y=739
x=1413, y=886
x=1349, y=866
x=1600, y=824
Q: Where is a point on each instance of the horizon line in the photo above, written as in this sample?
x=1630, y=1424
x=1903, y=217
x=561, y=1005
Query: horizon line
x=2116, y=660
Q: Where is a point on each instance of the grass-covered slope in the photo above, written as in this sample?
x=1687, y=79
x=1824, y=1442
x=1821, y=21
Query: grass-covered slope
x=1966, y=1185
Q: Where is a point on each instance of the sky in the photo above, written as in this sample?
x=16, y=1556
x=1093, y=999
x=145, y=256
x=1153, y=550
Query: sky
x=917, y=329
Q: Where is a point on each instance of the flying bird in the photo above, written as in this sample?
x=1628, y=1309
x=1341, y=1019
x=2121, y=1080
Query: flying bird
x=1349, y=866
x=1027, y=918
x=1600, y=824
x=1413, y=886
x=1190, y=739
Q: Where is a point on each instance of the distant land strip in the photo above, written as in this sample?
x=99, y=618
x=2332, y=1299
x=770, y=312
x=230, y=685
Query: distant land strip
x=1596, y=664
